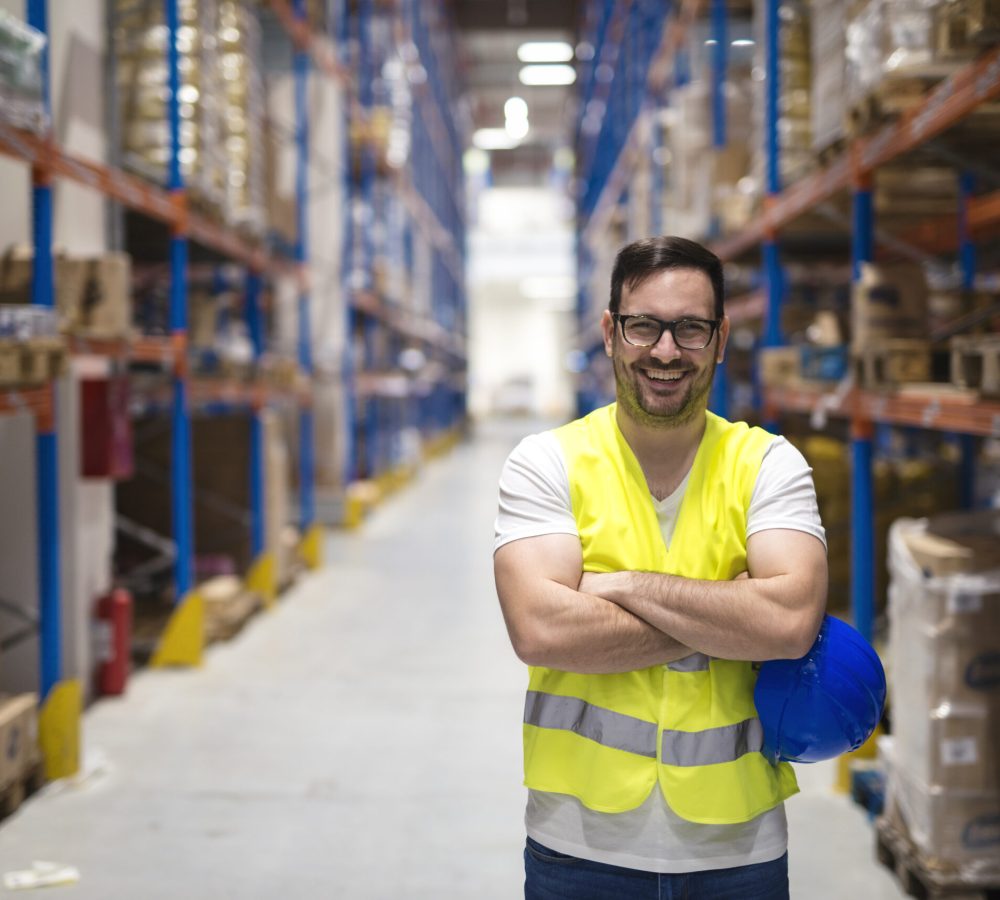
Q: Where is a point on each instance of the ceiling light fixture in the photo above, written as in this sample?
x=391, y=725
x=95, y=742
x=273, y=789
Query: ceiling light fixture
x=515, y=108
x=545, y=52
x=517, y=128
x=547, y=75
x=743, y=42
x=493, y=139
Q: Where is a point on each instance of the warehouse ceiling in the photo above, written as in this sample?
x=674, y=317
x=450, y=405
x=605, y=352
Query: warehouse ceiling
x=490, y=31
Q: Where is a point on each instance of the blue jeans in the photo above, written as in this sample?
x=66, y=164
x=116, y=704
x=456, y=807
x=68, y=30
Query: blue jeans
x=550, y=875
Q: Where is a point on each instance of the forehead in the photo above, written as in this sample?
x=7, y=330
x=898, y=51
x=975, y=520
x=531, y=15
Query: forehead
x=670, y=294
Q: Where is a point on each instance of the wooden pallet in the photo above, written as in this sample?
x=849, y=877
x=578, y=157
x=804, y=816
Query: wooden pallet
x=897, y=852
x=975, y=363
x=228, y=607
x=892, y=362
x=17, y=791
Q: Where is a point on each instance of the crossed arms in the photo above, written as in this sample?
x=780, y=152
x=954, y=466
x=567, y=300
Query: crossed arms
x=620, y=621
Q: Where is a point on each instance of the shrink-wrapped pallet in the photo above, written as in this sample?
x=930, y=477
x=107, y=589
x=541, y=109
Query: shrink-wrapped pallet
x=795, y=152
x=944, y=652
x=22, y=86
x=829, y=72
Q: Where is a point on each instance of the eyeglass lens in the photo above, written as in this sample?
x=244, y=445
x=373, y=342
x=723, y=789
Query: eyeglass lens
x=691, y=334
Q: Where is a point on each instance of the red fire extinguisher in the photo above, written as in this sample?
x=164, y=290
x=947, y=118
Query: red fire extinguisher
x=114, y=639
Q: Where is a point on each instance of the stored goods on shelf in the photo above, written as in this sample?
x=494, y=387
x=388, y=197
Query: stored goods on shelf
x=92, y=294
x=795, y=150
x=140, y=50
x=780, y=366
x=975, y=363
x=888, y=301
x=829, y=72
x=18, y=737
x=222, y=104
x=944, y=618
x=892, y=362
x=22, y=100
x=896, y=50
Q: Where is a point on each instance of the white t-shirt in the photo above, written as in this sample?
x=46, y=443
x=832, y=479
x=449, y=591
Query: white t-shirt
x=534, y=500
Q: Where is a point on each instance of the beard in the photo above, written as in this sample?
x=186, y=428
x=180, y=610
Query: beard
x=659, y=412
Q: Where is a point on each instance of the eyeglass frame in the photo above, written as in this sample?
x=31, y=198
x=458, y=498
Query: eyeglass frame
x=622, y=318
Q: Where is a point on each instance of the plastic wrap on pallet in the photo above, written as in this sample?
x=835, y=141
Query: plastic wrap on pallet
x=140, y=48
x=22, y=98
x=829, y=73
x=794, y=101
x=944, y=627
x=242, y=115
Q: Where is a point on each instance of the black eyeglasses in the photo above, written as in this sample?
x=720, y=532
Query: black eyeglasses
x=688, y=333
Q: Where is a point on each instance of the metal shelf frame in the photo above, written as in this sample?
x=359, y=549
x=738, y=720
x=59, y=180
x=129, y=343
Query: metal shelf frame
x=608, y=157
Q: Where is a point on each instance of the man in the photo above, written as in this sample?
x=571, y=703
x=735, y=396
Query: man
x=645, y=554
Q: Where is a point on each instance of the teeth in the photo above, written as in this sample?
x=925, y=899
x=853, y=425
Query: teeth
x=663, y=376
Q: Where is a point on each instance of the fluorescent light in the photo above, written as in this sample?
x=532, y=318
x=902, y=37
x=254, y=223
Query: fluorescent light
x=545, y=52
x=743, y=42
x=711, y=42
x=547, y=75
x=517, y=128
x=515, y=108
x=493, y=139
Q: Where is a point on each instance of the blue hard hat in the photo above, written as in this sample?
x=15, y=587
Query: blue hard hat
x=824, y=704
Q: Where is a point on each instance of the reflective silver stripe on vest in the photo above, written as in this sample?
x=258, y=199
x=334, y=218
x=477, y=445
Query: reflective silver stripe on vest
x=696, y=662
x=714, y=745
x=608, y=728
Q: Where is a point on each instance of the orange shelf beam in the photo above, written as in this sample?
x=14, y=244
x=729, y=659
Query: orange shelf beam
x=945, y=106
x=747, y=307
x=889, y=408
x=34, y=400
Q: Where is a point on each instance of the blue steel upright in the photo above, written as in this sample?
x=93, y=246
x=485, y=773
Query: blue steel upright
x=720, y=64
x=862, y=508
x=307, y=503
x=180, y=446
x=968, y=443
x=46, y=442
x=773, y=274
x=350, y=472
x=255, y=327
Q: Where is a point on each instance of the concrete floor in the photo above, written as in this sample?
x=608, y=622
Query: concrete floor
x=360, y=741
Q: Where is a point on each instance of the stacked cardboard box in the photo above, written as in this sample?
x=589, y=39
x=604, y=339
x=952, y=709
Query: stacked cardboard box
x=22, y=85
x=92, y=294
x=944, y=615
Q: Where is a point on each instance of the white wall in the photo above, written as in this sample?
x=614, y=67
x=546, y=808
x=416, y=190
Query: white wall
x=521, y=295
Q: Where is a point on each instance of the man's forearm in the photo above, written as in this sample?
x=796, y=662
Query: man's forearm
x=578, y=632
x=753, y=619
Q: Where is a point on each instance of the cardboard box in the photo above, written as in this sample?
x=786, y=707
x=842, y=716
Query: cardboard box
x=780, y=366
x=889, y=301
x=952, y=829
x=951, y=748
x=18, y=736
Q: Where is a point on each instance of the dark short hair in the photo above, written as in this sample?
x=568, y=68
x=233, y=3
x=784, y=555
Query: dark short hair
x=641, y=259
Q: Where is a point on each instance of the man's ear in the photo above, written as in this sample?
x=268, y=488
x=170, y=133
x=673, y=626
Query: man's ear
x=608, y=330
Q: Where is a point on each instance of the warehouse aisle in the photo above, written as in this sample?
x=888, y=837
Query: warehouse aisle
x=359, y=742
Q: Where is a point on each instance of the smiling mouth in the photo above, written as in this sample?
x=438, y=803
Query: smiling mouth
x=664, y=376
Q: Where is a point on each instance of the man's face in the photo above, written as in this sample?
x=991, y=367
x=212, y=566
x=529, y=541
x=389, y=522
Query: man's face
x=664, y=385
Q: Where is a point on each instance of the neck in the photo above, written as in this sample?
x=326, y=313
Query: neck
x=665, y=454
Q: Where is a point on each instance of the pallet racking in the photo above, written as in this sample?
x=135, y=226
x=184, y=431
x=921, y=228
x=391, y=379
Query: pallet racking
x=611, y=155
x=382, y=397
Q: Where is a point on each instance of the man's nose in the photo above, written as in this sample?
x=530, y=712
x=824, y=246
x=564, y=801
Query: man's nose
x=666, y=347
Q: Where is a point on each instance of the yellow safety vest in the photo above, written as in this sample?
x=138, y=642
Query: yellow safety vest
x=691, y=725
